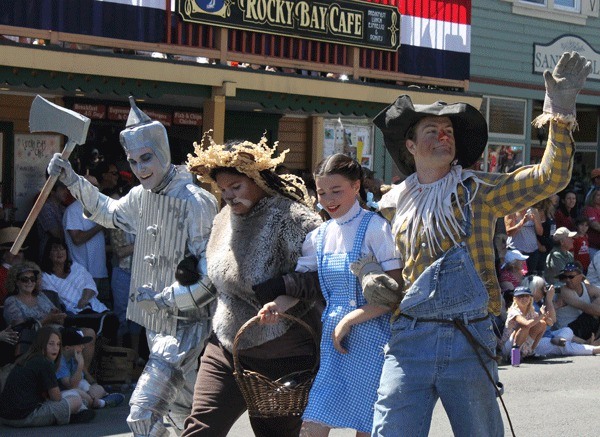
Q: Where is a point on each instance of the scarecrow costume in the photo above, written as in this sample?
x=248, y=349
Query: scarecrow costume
x=443, y=344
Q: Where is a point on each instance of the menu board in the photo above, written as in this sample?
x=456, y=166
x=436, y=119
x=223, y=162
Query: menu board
x=32, y=155
x=349, y=137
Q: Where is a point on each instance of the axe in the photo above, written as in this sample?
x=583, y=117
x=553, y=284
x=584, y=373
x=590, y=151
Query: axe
x=45, y=116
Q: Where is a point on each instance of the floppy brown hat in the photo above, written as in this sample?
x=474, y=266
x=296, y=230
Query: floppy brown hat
x=470, y=129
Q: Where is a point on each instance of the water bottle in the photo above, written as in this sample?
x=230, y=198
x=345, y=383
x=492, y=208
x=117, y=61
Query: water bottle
x=515, y=356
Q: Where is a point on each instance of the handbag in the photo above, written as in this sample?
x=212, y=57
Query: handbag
x=27, y=331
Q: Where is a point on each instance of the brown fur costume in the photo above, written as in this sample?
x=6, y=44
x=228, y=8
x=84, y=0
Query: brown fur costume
x=244, y=250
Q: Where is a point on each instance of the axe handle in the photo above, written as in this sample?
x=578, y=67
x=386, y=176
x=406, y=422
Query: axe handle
x=39, y=203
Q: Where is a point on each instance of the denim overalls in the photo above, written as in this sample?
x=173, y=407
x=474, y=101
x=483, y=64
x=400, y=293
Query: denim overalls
x=427, y=358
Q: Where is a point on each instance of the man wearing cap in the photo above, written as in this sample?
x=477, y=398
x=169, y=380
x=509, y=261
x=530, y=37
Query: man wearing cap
x=560, y=255
x=443, y=218
x=171, y=218
x=581, y=311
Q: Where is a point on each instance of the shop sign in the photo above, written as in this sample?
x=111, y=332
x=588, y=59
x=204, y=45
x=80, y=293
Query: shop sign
x=350, y=22
x=120, y=113
x=93, y=111
x=187, y=118
x=545, y=57
x=164, y=117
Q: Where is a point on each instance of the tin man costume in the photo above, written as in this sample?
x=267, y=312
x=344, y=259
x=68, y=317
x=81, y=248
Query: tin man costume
x=172, y=218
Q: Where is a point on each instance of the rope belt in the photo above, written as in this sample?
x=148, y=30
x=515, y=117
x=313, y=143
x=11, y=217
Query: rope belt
x=460, y=324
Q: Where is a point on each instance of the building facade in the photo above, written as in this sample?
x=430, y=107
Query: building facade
x=513, y=42
x=310, y=76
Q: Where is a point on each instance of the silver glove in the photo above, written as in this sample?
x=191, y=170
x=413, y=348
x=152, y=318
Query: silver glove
x=564, y=83
x=62, y=168
x=378, y=287
x=150, y=301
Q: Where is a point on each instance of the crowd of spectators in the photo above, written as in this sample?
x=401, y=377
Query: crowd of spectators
x=74, y=286
x=549, y=265
x=57, y=304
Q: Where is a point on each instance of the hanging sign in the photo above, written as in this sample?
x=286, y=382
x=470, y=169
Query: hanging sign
x=356, y=23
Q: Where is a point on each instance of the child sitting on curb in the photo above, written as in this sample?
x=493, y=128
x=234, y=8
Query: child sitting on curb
x=71, y=377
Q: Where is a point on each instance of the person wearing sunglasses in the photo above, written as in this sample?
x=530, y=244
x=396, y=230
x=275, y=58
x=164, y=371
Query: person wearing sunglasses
x=26, y=307
x=560, y=255
x=25, y=301
x=581, y=310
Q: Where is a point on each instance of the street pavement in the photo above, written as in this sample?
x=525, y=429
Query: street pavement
x=550, y=397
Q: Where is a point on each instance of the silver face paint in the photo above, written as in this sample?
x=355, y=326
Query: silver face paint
x=146, y=166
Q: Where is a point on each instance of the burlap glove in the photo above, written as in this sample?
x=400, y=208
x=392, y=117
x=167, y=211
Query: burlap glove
x=62, y=168
x=564, y=83
x=378, y=287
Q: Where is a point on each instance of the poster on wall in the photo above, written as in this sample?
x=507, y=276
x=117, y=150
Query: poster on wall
x=350, y=137
x=32, y=154
x=503, y=158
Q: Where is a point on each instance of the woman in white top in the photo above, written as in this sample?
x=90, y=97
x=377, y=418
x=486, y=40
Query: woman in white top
x=76, y=289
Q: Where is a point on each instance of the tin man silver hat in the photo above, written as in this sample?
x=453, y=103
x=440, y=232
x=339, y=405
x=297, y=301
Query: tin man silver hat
x=141, y=131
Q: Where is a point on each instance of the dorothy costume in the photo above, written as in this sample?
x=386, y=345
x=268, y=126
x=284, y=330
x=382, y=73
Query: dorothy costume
x=345, y=388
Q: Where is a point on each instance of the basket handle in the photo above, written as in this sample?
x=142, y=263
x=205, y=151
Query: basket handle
x=236, y=361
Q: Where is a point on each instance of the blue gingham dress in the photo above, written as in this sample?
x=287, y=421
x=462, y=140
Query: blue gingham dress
x=345, y=388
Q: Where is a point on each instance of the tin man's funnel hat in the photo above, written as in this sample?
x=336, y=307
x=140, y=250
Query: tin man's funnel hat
x=141, y=131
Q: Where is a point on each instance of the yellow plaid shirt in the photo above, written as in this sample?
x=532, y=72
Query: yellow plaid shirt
x=499, y=195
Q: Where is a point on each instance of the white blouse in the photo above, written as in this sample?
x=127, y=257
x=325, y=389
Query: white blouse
x=339, y=238
x=70, y=289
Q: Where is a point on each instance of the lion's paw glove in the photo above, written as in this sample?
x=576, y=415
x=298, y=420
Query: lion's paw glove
x=564, y=83
x=378, y=287
x=62, y=168
x=150, y=301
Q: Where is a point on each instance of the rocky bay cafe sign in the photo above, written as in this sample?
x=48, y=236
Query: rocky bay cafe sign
x=545, y=57
x=349, y=22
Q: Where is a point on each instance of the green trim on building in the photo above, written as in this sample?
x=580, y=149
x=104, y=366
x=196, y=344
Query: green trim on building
x=310, y=105
x=104, y=85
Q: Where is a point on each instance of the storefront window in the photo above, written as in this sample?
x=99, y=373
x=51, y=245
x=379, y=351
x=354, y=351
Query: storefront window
x=506, y=116
x=352, y=137
x=503, y=158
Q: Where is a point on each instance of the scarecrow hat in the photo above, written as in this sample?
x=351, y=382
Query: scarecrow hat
x=470, y=129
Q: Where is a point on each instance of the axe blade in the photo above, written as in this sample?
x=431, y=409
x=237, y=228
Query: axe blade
x=45, y=116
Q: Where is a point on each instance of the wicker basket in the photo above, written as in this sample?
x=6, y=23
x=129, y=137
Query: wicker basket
x=286, y=396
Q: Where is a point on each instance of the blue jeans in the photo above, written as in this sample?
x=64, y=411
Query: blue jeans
x=120, y=282
x=428, y=360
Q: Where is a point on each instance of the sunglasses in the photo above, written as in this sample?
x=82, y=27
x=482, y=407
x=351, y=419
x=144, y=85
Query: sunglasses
x=568, y=276
x=26, y=279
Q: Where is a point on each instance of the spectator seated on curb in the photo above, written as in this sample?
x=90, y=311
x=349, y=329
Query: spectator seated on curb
x=71, y=377
x=31, y=396
x=581, y=309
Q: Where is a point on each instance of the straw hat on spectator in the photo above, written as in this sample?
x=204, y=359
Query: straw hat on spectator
x=8, y=236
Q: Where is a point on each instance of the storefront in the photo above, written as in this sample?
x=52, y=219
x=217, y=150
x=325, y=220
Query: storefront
x=528, y=38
